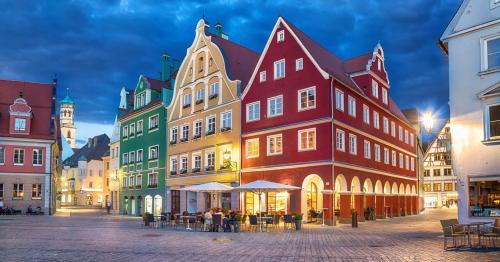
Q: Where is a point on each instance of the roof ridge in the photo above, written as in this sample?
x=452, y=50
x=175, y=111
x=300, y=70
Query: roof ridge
x=234, y=42
x=30, y=82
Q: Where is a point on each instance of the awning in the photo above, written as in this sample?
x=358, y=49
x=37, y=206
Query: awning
x=484, y=178
x=260, y=186
x=208, y=187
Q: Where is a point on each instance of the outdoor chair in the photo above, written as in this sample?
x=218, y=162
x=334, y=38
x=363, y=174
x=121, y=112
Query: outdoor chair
x=269, y=222
x=288, y=220
x=276, y=221
x=217, y=222
x=491, y=233
x=243, y=222
x=253, y=222
x=448, y=227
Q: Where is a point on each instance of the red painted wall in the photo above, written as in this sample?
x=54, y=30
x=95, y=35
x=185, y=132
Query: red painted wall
x=28, y=167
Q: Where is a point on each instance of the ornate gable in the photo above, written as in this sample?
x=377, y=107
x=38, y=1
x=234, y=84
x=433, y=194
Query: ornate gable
x=20, y=117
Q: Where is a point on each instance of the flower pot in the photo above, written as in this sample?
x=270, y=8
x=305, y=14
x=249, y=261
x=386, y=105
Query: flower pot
x=298, y=225
x=236, y=227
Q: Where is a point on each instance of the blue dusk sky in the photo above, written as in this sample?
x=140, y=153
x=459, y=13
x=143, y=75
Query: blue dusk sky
x=97, y=47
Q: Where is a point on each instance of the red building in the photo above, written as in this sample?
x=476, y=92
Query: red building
x=329, y=126
x=28, y=144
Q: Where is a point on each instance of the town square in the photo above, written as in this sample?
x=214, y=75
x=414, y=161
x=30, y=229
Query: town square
x=250, y=130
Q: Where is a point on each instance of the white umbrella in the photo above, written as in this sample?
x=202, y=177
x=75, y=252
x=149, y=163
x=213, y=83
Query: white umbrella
x=212, y=187
x=262, y=186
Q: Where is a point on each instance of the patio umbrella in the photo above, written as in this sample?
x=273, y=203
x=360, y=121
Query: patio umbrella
x=262, y=186
x=211, y=188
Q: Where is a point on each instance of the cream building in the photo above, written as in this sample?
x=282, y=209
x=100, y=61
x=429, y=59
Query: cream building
x=204, y=120
x=114, y=168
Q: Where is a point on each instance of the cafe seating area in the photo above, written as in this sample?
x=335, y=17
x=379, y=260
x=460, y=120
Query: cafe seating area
x=473, y=235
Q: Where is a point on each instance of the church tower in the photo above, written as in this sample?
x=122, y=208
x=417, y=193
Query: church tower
x=66, y=116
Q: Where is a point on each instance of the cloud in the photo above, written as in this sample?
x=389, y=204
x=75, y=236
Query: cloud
x=97, y=47
x=86, y=130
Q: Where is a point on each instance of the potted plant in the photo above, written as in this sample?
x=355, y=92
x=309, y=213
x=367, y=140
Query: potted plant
x=298, y=221
x=237, y=222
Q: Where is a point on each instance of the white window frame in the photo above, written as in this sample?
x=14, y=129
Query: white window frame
x=157, y=122
x=412, y=164
x=376, y=120
x=39, y=153
x=176, y=129
x=139, y=156
x=351, y=106
x=394, y=158
x=339, y=99
x=140, y=127
x=277, y=69
x=254, y=105
x=299, y=97
x=276, y=152
x=207, y=126
x=193, y=160
x=393, y=129
x=269, y=103
x=157, y=152
x=222, y=114
x=385, y=122
x=400, y=133
x=214, y=89
x=262, y=76
x=353, y=144
x=367, y=151
x=406, y=136
x=484, y=52
x=299, y=64
x=186, y=99
x=185, y=135
x=376, y=150
x=386, y=156
x=197, y=128
x=407, y=162
x=299, y=136
x=412, y=139
x=2, y=155
x=131, y=130
x=401, y=160
x=176, y=169
x=200, y=94
x=22, y=155
x=20, y=124
x=340, y=140
x=374, y=89
x=487, y=128
x=247, y=142
x=280, y=36
x=385, y=96
x=366, y=114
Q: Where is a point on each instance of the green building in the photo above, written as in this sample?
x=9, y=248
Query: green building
x=142, y=117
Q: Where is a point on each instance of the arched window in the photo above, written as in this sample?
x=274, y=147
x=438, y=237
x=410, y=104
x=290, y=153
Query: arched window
x=69, y=113
x=200, y=66
x=69, y=134
x=64, y=113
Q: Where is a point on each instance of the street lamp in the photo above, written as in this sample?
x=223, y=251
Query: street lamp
x=428, y=121
x=226, y=156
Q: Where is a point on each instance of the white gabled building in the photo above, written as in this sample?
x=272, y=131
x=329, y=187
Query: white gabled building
x=472, y=43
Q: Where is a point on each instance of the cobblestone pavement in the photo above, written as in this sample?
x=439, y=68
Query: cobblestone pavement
x=113, y=238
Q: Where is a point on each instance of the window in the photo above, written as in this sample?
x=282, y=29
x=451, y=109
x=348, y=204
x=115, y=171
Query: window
x=427, y=187
x=275, y=106
x=386, y=125
x=139, y=155
x=299, y=64
x=153, y=152
x=401, y=161
x=36, y=191
x=210, y=125
x=138, y=181
x=379, y=65
x=385, y=98
x=173, y=135
x=307, y=98
x=394, y=158
x=131, y=156
x=200, y=95
x=173, y=165
x=37, y=157
x=252, y=147
x=196, y=162
x=253, y=111
x=186, y=100
x=226, y=120
x=393, y=129
x=427, y=173
x=366, y=114
x=125, y=132
x=185, y=133
x=18, y=191
x=412, y=164
x=340, y=140
x=412, y=140
x=407, y=162
x=436, y=172
x=125, y=158
x=353, y=146
x=211, y=159
x=406, y=136
x=374, y=89
x=493, y=122
x=153, y=179
x=2, y=155
x=274, y=145
x=262, y=76
x=400, y=129
x=132, y=130
x=448, y=187
x=367, y=149
x=280, y=36
x=20, y=124
x=153, y=122
x=491, y=53
x=377, y=152
x=214, y=90
x=139, y=127
x=279, y=69
x=307, y=139
x=18, y=156
x=447, y=172
x=376, y=120
x=386, y=156
x=197, y=129
x=339, y=100
x=1, y=191
x=351, y=106
x=124, y=182
x=436, y=187
x=184, y=164
x=484, y=199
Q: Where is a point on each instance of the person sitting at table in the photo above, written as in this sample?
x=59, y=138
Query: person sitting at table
x=208, y=219
x=228, y=221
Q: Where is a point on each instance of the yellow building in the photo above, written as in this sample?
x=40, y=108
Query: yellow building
x=204, y=120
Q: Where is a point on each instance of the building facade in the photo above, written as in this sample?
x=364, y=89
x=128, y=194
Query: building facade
x=472, y=43
x=143, y=144
x=439, y=181
x=66, y=117
x=204, y=120
x=114, y=168
x=28, y=143
x=328, y=126
x=83, y=180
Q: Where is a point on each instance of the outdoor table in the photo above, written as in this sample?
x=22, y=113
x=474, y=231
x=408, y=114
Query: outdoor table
x=188, y=217
x=262, y=220
x=468, y=226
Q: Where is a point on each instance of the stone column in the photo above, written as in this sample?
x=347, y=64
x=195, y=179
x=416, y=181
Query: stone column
x=328, y=203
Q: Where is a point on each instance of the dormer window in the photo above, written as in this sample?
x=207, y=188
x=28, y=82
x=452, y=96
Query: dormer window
x=20, y=117
x=140, y=100
x=20, y=124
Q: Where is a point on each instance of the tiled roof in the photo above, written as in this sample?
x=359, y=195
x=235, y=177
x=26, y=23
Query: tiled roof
x=157, y=85
x=39, y=98
x=357, y=64
x=240, y=61
x=153, y=102
x=95, y=149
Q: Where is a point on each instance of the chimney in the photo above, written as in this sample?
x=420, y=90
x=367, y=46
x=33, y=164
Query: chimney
x=218, y=29
x=165, y=70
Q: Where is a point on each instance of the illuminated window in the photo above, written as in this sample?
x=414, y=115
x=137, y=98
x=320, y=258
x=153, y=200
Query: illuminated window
x=274, y=145
x=252, y=148
x=307, y=98
x=307, y=139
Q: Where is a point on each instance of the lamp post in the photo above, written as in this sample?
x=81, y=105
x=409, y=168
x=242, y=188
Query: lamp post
x=428, y=121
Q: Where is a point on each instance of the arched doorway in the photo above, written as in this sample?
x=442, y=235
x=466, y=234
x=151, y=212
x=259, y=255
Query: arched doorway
x=132, y=206
x=158, y=205
x=341, y=201
x=312, y=198
x=89, y=200
x=149, y=204
x=125, y=206
x=139, y=205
